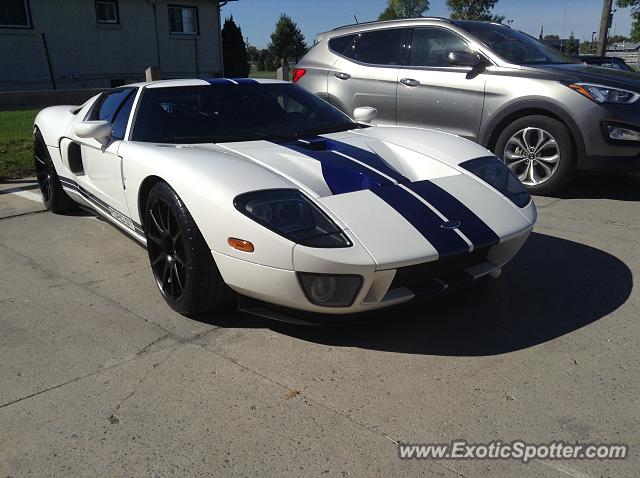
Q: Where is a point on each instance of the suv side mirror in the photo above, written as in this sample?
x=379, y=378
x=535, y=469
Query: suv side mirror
x=365, y=114
x=98, y=130
x=465, y=58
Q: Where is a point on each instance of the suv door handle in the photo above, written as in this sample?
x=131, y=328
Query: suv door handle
x=409, y=82
x=342, y=76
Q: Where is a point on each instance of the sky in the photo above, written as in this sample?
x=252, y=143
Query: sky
x=257, y=18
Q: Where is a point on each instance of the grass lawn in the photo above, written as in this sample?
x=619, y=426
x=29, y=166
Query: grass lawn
x=271, y=75
x=16, y=143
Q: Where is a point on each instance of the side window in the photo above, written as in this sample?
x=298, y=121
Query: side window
x=431, y=46
x=380, y=47
x=122, y=117
x=107, y=106
x=339, y=44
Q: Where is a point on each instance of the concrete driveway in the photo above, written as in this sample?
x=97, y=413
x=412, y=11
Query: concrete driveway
x=99, y=378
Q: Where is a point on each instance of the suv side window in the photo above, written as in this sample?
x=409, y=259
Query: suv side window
x=379, y=47
x=431, y=46
x=339, y=44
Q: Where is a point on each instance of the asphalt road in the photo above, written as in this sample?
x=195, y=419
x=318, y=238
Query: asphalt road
x=99, y=378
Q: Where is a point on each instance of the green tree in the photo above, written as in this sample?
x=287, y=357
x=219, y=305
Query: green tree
x=404, y=9
x=265, y=61
x=586, y=48
x=474, y=10
x=234, y=50
x=616, y=39
x=635, y=17
x=252, y=52
x=552, y=37
x=287, y=41
x=572, y=45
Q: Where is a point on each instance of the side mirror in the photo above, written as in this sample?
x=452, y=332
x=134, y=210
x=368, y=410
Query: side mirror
x=465, y=58
x=365, y=114
x=98, y=130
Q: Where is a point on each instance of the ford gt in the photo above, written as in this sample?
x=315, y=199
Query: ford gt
x=259, y=187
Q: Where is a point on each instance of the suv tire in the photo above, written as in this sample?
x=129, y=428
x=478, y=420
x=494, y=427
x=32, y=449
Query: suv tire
x=540, y=151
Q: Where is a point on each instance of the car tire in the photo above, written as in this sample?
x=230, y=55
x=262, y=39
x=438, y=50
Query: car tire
x=180, y=258
x=530, y=144
x=53, y=196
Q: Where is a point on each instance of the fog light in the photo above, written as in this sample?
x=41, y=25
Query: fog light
x=330, y=290
x=623, y=134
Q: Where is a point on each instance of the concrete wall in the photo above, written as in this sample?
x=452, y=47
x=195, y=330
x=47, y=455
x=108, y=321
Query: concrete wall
x=35, y=100
x=85, y=54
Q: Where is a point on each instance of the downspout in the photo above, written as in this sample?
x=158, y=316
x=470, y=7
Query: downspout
x=155, y=26
x=220, y=5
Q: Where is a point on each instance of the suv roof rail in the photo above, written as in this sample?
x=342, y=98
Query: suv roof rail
x=398, y=20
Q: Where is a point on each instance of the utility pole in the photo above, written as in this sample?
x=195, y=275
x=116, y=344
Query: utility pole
x=604, y=27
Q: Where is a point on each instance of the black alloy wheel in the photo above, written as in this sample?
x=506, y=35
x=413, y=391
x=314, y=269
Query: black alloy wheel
x=180, y=258
x=166, y=250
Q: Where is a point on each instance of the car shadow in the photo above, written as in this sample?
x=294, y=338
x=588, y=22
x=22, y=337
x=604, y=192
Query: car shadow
x=620, y=187
x=551, y=288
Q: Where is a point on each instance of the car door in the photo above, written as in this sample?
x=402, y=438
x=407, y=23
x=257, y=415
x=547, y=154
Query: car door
x=101, y=165
x=366, y=72
x=434, y=94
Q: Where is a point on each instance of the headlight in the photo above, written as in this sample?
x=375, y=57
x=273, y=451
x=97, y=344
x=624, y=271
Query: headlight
x=495, y=173
x=289, y=213
x=605, y=94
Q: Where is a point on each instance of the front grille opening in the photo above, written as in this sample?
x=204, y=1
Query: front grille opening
x=432, y=275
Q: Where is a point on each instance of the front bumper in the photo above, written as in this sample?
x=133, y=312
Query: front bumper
x=601, y=153
x=381, y=287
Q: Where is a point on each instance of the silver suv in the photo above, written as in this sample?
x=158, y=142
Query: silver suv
x=543, y=113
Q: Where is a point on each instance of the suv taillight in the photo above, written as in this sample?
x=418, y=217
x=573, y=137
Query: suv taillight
x=298, y=73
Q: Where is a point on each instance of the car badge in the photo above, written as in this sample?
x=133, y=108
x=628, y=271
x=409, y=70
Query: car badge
x=454, y=224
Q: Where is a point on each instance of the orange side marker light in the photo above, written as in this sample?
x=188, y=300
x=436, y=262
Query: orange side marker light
x=241, y=244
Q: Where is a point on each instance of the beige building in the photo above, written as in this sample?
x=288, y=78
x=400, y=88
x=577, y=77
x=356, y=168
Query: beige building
x=68, y=44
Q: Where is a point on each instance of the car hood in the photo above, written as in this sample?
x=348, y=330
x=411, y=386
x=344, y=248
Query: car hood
x=356, y=160
x=581, y=72
x=405, y=182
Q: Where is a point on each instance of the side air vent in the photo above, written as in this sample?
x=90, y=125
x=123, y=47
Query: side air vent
x=75, y=158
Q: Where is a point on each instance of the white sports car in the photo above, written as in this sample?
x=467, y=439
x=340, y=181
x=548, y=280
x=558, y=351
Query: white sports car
x=265, y=189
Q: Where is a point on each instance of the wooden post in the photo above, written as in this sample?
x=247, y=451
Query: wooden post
x=152, y=73
x=604, y=28
x=283, y=71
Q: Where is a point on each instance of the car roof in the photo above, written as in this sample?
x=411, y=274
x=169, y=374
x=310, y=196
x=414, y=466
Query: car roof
x=201, y=82
x=405, y=22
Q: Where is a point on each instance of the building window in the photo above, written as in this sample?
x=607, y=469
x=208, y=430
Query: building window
x=183, y=20
x=107, y=12
x=15, y=14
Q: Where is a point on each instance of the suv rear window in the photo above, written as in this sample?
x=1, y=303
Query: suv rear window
x=339, y=44
x=379, y=47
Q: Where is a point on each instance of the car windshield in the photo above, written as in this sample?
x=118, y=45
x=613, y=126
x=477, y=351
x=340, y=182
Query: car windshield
x=514, y=46
x=234, y=112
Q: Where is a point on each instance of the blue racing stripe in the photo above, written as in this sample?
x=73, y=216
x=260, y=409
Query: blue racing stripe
x=470, y=225
x=343, y=175
x=446, y=241
x=367, y=157
x=96, y=201
x=340, y=174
